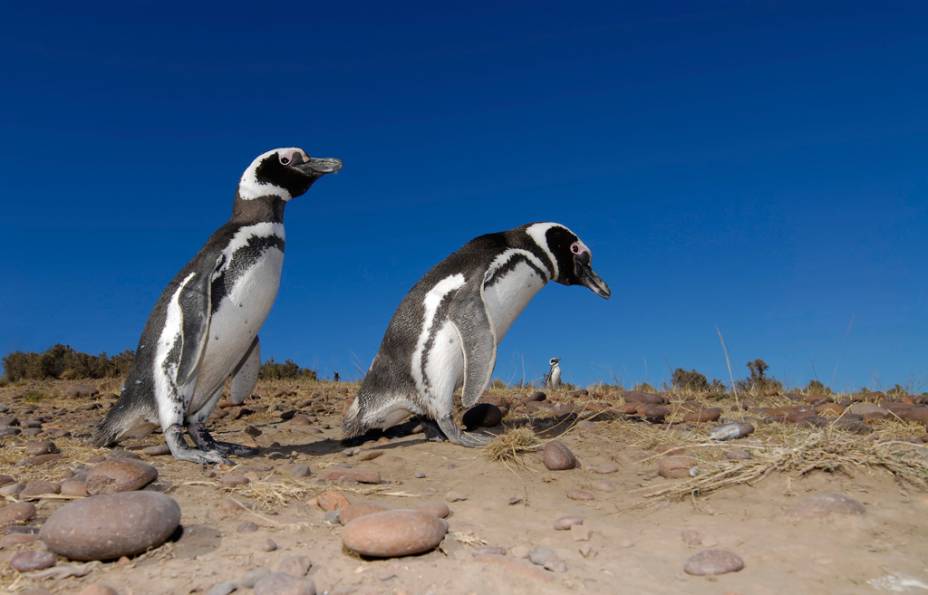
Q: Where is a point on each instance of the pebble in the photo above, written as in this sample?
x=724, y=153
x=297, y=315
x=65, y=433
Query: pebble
x=36, y=460
x=738, y=454
x=223, y=588
x=394, y=533
x=97, y=589
x=547, y=558
x=676, y=466
x=581, y=495
x=482, y=415
x=269, y=545
x=17, y=512
x=41, y=447
x=295, y=565
x=278, y=583
x=604, y=468
x=730, y=431
x=247, y=527
x=40, y=487
x=557, y=457
x=356, y=475
x=712, y=562
x=566, y=522
x=12, y=489
x=331, y=500
x=110, y=526
x=823, y=504
x=74, y=488
x=35, y=560
x=370, y=455
x=119, y=475
x=252, y=577
x=453, y=496
x=420, y=475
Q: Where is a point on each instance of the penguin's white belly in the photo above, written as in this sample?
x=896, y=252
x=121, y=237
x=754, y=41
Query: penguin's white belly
x=236, y=322
x=508, y=295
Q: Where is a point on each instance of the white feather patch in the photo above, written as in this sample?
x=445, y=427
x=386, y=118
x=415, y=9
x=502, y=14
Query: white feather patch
x=431, y=302
x=538, y=233
x=166, y=378
x=250, y=188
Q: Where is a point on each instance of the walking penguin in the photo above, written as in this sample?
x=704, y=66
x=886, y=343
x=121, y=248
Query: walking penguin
x=445, y=332
x=204, y=328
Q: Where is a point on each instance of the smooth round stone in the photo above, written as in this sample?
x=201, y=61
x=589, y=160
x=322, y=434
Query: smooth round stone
x=394, y=533
x=278, y=583
x=74, y=488
x=28, y=561
x=41, y=447
x=40, y=487
x=98, y=589
x=110, y=526
x=675, y=466
x=566, y=522
x=580, y=495
x=712, y=562
x=604, y=468
x=703, y=415
x=557, y=457
x=119, y=475
x=482, y=415
x=330, y=500
x=356, y=475
x=353, y=511
x=17, y=512
x=826, y=503
x=738, y=454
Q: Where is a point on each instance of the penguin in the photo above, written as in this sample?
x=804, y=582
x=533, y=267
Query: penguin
x=445, y=332
x=204, y=328
x=553, y=377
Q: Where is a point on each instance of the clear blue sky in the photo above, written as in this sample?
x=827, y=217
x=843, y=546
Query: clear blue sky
x=760, y=167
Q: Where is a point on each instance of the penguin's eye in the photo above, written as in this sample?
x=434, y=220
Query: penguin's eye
x=575, y=248
x=285, y=160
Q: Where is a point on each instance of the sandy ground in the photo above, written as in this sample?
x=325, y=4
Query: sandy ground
x=627, y=544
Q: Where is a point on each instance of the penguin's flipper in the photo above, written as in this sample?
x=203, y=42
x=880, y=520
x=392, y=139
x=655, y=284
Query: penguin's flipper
x=245, y=375
x=478, y=340
x=196, y=307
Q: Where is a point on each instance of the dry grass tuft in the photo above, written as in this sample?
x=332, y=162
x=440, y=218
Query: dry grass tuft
x=801, y=453
x=509, y=447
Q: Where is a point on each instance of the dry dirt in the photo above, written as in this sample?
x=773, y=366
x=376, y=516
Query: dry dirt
x=628, y=543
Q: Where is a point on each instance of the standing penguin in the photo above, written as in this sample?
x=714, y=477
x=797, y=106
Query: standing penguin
x=553, y=377
x=446, y=330
x=204, y=327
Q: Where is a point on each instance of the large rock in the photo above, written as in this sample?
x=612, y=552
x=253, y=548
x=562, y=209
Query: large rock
x=119, y=475
x=111, y=526
x=557, y=457
x=394, y=533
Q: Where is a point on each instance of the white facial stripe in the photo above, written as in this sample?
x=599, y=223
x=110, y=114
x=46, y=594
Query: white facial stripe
x=165, y=380
x=538, y=233
x=503, y=258
x=250, y=188
x=260, y=230
x=431, y=302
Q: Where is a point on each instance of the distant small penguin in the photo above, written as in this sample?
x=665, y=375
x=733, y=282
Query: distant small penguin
x=446, y=330
x=553, y=377
x=204, y=328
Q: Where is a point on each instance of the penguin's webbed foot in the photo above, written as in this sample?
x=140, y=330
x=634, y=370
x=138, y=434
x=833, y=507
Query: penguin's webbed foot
x=175, y=441
x=456, y=436
x=431, y=430
x=206, y=443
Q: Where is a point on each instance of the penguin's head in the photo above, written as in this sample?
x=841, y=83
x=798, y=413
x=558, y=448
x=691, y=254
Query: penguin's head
x=571, y=259
x=554, y=361
x=284, y=173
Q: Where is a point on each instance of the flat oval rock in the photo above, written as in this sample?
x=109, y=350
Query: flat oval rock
x=712, y=562
x=557, y=457
x=731, y=431
x=17, y=512
x=28, y=561
x=119, y=475
x=436, y=509
x=394, y=533
x=353, y=511
x=111, y=526
x=676, y=466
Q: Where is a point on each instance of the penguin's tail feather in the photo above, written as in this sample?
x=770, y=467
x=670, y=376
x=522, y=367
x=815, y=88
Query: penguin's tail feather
x=121, y=418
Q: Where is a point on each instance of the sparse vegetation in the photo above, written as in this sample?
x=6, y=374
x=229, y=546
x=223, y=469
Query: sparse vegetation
x=816, y=387
x=64, y=362
x=289, y=369
x=758, y=383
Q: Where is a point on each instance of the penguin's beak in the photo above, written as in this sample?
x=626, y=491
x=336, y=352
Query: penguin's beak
x=319, y=166
x=591, y=280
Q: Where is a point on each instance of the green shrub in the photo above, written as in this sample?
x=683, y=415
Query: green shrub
x=62, y=361
x=271, y=370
